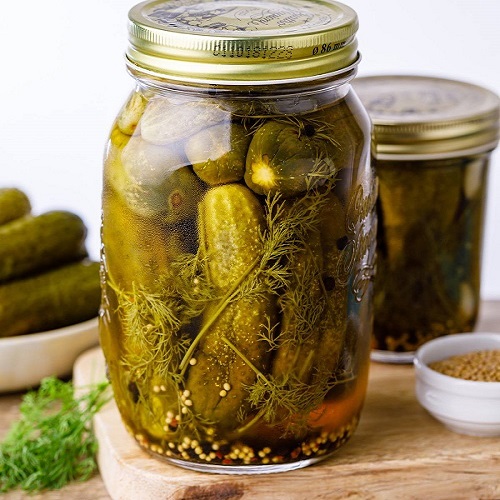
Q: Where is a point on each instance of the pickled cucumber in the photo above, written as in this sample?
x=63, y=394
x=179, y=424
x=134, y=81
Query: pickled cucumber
x=312, y=332
x=303, y=306
x=428, y=251
x=231, y=220
x=346, y=133
x=167, y=121
x=35, y=243
x=335, y=244
x=283, y=159
x=136, y=249
x=332, y=336
x=219, y=380
x=155, y=182
x=13, y=204
x=53, y=299
x=410, y=196
x=131, y=113
x=218, y=153
x=117, y=141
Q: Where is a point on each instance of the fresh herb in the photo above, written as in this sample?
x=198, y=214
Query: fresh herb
x=52, y=443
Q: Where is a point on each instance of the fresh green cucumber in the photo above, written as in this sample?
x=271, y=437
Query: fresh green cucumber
x=53, y=299
x=33, y=244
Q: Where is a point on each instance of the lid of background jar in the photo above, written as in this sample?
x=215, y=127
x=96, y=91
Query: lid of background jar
x=241, y=41
x=418, y=116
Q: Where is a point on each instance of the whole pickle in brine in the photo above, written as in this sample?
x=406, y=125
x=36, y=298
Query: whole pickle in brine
x=282, y=158
x=168, y=120
x=302, y=305
x=334, y=239
x=117, y=141
x=155, y=182
x=313, y=319
x=230, y=224
x=218, y=153
x=131, y=113
x=136, y=248
x=410, y=196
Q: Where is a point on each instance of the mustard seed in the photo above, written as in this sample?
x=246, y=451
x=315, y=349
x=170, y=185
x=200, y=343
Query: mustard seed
x=481, y=366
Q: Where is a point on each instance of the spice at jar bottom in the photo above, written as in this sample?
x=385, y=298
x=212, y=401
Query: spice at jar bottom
x=481, y=366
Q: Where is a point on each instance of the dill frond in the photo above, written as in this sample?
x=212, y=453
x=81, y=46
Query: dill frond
x=151, y=322
x=288, y=401
x=268, y=334
x=192, y=285
x=52, y=443
x=302, y=307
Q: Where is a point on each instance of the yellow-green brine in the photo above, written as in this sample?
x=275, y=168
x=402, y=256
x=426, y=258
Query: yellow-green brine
x=238, y=234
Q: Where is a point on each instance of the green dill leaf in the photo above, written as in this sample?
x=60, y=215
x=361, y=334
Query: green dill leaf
x=52, y=443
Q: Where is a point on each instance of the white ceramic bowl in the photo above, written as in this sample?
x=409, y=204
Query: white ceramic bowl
x=464, y=406
x=26, y=359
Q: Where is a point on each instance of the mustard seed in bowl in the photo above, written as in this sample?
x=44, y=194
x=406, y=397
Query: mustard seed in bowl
x=481, y=366
x=466, y=397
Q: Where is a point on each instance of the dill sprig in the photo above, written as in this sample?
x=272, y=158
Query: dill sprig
x=151, y=322
x=288, y=225
x=52, y=443
x=192, y=284
x=302, y=308
x=288, y=400
x=270, y=334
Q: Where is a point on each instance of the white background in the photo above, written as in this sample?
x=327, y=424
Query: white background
x=63, y=80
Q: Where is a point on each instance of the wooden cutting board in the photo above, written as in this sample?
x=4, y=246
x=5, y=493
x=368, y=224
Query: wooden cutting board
x=398, y=451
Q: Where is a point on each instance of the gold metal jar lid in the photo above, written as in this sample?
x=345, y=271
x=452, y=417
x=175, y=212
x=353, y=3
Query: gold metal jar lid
x=423, y=117
x=241, y=41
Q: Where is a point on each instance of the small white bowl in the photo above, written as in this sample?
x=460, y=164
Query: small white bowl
x=26, y=359
x=463, y=406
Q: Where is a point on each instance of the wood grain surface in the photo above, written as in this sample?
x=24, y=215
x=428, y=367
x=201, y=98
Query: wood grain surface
x=398, y=452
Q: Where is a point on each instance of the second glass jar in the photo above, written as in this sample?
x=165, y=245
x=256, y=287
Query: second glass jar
x=433, y=142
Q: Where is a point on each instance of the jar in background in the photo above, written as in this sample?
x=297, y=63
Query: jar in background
x=238, y=234
x=433, y=140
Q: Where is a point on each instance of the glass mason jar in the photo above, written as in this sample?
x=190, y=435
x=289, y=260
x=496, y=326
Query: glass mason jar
x=238, y=234
x=433, y=141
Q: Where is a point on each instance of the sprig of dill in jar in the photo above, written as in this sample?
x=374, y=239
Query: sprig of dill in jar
x=52, y=443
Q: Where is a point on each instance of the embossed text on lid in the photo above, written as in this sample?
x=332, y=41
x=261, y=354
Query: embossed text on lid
x=242, y=40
